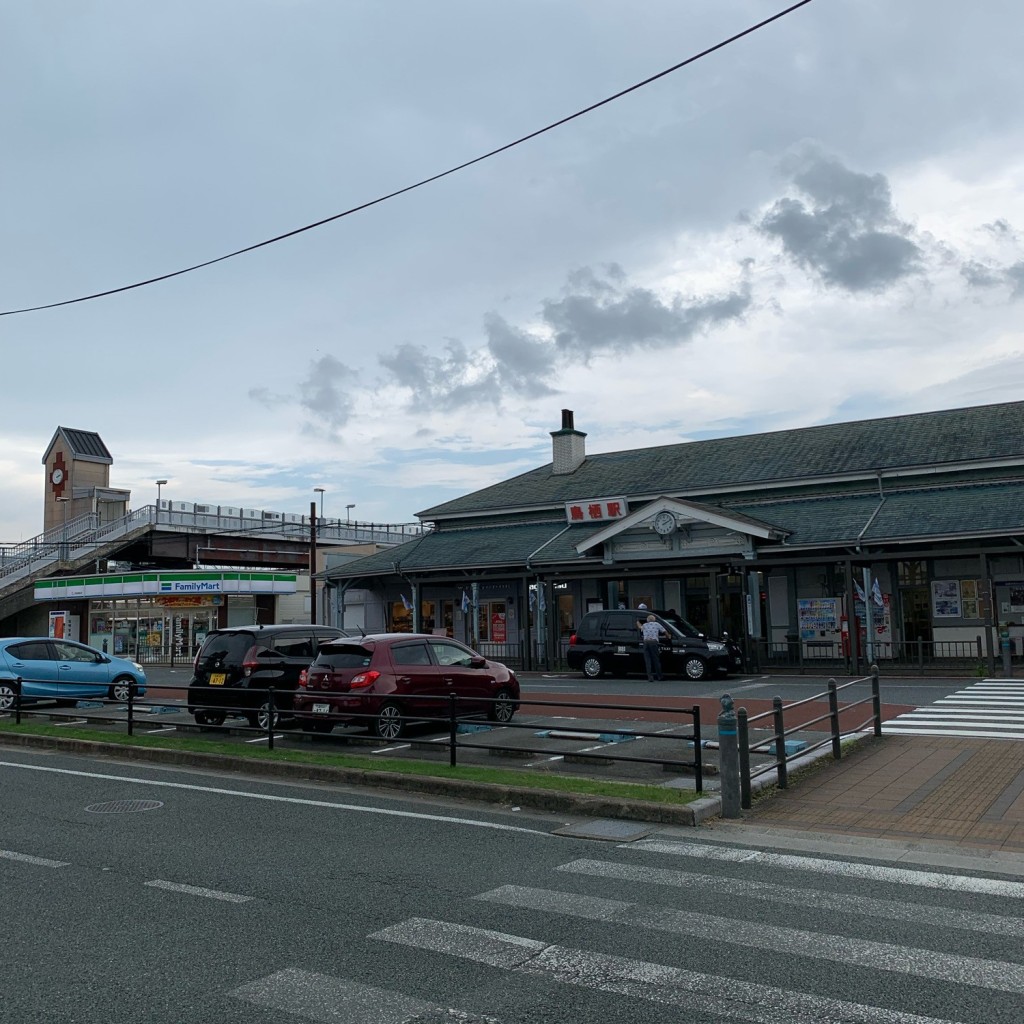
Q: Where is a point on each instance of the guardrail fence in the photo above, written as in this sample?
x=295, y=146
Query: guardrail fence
x=775, y=744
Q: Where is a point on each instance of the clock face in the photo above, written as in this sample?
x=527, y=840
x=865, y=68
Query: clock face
x=57, y=476
x=664, y=523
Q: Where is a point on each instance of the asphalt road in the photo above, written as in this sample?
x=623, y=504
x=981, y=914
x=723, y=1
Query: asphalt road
x=235, y=901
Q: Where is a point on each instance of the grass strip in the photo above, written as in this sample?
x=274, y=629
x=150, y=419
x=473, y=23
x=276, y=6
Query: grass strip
x=471, y=773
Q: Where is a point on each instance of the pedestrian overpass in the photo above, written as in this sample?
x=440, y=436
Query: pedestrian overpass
x=189, y=536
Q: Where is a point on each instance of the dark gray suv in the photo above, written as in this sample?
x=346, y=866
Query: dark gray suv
x=609, y=642
x=236, y=667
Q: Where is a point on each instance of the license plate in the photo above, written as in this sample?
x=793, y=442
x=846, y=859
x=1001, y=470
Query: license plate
x=620, y=650
x=321, y=709
x=217, y=678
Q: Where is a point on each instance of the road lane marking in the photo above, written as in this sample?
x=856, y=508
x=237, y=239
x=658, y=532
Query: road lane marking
x=322, y=997
x=954, y=968
x=816, y=899
x=273, y=798
x=195, y=890
x=41, y=862
x=708, y=994
x=874, y=872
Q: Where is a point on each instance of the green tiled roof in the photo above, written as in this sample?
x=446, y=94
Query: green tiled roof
x=843, y=519
x=865, y=447
x=504, y=547
x=919, y=513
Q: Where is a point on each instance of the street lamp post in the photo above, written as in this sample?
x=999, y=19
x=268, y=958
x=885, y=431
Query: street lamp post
x=320, y=491
x=159, y=484
x=348, y=509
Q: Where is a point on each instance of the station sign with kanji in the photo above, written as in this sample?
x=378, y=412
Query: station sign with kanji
x=596, y=510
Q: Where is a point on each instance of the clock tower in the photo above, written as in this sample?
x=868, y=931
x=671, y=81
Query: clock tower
x=77, y=468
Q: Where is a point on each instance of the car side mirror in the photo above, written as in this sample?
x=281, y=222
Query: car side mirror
x=478, y=663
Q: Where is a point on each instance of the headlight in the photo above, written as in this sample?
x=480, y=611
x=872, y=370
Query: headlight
x=717, y=648
x=137, y=667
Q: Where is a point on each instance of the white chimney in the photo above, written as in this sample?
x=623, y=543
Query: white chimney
x=568, y=450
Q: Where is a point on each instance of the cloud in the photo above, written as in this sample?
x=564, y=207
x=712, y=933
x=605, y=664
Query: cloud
x=843, y=227
x=601, y=315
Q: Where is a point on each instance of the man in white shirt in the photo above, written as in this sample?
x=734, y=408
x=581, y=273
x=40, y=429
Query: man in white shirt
x=651, y=632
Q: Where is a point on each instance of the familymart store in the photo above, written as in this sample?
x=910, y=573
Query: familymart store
x=159, y=616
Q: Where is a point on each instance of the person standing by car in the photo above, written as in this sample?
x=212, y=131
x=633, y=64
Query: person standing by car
x=651, y=631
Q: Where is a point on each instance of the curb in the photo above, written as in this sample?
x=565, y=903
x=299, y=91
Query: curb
x=485, y=792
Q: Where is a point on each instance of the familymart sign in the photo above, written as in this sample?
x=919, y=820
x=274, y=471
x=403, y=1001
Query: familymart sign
x=153, y=584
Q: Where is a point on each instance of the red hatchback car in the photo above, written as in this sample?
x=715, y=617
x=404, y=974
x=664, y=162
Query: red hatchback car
x=384, y=680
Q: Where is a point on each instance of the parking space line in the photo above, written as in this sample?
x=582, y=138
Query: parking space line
x=195, y=890
x=73, y=721
x=41, y=862
x=384, y=750
x=163, y=728
x=263, y=739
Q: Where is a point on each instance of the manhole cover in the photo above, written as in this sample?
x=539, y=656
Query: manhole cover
x=627, y=831
x=120, y=806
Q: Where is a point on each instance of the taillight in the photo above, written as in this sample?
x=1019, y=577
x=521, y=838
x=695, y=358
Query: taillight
x=572, y=640
x=251, y=661
x=364, y=679
x=302, y=677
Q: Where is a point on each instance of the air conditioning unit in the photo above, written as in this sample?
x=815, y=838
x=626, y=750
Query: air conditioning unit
x=292, y=517
x=164, y=503
x=251, y=513
x=274, y=517
x=207, y=509
x=230, y=510
x=183, y=506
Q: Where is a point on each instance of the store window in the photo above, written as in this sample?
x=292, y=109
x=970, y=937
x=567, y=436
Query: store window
x=493, y=621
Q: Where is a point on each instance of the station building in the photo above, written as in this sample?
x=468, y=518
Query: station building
x=899, y=539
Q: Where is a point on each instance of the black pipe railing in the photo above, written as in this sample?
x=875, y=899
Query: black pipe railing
x=265, y=709
x=776, y=745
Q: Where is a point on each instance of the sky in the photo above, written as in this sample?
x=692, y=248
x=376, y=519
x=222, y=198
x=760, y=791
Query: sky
x=821, y=222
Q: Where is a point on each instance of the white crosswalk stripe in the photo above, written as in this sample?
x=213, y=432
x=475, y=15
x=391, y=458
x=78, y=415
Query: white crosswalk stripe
x=657, y=983
x=839, y=903
x=665, y=909
x=322, y=997
x=989, y=709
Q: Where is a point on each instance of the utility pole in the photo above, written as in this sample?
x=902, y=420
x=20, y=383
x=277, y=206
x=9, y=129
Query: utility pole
x=312, y=563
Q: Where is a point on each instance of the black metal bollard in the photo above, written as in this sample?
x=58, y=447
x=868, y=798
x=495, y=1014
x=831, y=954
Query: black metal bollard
x=698, y=746
x=743, y=742
x=833, y=713
x=131, y=708
x=271, y=717
x=780, y=743
x=453, y=727
x=728, y=759
x=876, y=700
x=17, y=700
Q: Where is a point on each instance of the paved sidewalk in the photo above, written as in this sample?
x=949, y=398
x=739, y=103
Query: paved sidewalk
x=968, y=792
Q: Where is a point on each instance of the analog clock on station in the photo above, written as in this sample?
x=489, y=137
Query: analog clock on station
x=664, y=523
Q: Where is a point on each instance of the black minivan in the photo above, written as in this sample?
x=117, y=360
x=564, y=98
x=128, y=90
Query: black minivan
x=609, y=642
x=236, y=666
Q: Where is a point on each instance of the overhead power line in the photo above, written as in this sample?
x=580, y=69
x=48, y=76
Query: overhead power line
x=424, y=181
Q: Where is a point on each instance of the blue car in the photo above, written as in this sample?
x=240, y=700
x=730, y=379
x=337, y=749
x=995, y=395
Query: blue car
x=65, y=671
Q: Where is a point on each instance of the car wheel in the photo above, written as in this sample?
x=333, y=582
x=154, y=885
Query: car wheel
x=210, y=717
x=120, y=689
x=696, y=668
x=592, y=667
x=390, y=722
x=6, y=696
x=503, y=708
x=260, y=719
x=309, y=725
